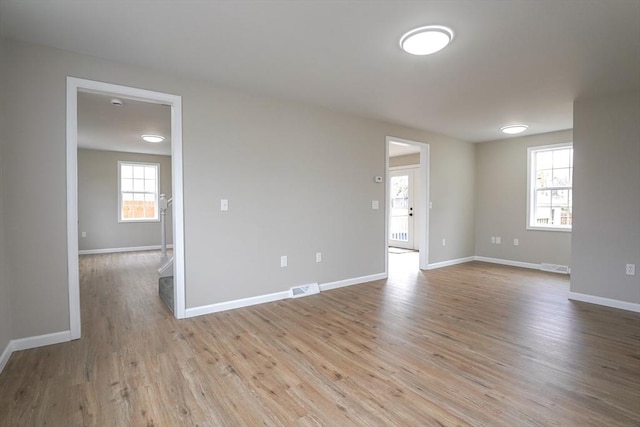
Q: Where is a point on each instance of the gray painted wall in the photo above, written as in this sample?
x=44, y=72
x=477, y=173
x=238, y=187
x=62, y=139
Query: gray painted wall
x=606, y=234
x=501, y=203
x=299, y=179
x=452, y=192
x=5, y=305
x=98, y=201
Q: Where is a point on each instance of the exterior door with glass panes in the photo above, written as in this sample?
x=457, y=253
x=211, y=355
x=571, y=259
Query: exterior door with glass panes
x=402, y=209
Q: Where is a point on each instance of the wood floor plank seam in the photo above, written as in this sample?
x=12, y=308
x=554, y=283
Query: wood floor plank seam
x=472, y=344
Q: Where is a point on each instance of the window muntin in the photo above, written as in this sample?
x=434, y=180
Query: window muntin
x=550, y=185
x=138, y=190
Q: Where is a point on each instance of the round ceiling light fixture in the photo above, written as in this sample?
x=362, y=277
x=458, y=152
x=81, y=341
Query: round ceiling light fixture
x=514, y=129
x=153, y=138
x=426, y=40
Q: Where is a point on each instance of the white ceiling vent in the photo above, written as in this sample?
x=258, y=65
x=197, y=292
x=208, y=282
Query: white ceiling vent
x=304, y=290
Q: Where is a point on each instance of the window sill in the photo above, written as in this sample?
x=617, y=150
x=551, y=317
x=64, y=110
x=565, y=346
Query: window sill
x=562, y=230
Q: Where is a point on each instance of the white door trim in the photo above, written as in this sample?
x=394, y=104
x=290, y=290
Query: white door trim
x=423, y=200
x=175, y=102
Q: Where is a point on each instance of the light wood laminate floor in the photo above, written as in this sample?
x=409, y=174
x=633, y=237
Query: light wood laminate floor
x=474, y=344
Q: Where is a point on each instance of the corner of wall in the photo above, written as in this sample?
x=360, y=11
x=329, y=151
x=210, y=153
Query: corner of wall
x=5, y=306
x=501, y=200
x=606, y=236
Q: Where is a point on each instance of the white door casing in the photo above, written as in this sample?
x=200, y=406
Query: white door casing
x=74, y=85
x=421, y=220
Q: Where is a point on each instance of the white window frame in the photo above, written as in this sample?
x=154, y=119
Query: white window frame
x=531, y=179
x=157, y=192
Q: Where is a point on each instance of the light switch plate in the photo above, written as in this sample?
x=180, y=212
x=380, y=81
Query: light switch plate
x=375, y=204
x=224, y=205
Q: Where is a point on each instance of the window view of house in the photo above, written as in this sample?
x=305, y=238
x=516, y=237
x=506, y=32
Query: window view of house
x=550, y=183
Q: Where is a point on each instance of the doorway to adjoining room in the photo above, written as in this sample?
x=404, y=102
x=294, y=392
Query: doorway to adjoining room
x=407, y=215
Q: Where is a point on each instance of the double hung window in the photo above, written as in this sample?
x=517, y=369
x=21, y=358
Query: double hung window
x=138, y=191
x=550, y=187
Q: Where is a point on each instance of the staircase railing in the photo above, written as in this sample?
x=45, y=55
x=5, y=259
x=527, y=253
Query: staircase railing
x=164, y=204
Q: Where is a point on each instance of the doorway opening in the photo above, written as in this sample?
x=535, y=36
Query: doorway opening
x=407, y=214
x=79, y=88
x=403, y=209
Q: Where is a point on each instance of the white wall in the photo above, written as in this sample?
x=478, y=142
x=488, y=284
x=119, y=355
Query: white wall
x=501, y=203
x=299, y=179
x=98, y=202
x=606, y=231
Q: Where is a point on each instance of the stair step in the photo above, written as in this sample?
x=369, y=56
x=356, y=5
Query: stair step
x=165, y=290
x=166, y=269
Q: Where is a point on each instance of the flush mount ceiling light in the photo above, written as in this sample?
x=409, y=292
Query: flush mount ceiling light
x=117, y=102
x=426, y=40
x=152, y=138
x=514, y=129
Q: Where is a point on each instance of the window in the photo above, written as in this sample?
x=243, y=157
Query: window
x=137, y=191
x=550, y=183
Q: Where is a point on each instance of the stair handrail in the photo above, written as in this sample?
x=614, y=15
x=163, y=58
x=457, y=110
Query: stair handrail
x=164, y=204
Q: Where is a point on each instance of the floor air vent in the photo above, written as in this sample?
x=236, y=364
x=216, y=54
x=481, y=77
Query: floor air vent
x=304, y=290
x=554, y=268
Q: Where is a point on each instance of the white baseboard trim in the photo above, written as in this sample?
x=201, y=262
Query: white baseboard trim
x=508, y=262
x=40, y=340
x=32, y=342
x=450, y=262
x=116, y=250
x=353, y=281
x=6, y=354
x=608, y=302
x=276, y=296
x=239, y=303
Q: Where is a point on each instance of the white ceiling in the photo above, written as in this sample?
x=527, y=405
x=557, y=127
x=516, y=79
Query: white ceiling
x=510, y=61
x=103, y=126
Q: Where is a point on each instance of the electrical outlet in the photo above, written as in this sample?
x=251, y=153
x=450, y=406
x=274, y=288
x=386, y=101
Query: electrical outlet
x=283, y=261
x=444, y=242
x=498, y=240
x=84, y=234
x=631, y=269
x=318, y=256
x=493, y=239
x=375, y=204
x=224, y=205
x=516, y=242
